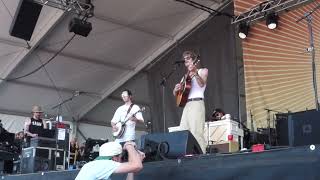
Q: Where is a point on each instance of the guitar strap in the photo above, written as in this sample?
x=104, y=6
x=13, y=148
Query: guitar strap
x=129, y=109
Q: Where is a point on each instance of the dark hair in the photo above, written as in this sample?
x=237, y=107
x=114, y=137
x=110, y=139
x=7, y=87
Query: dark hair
x=128, y=91
x=217, y=110
x=192, y=54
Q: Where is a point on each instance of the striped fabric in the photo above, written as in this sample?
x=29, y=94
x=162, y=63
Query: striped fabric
x=277, y=66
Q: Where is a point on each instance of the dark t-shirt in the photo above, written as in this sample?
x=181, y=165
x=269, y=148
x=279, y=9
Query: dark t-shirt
x=36, y=126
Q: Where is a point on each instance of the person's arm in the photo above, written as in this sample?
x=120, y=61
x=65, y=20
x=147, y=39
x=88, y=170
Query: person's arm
x=134, y=163
x=130, y=176
x=201, y=77
x=177, y=87
x=115, y=119
x=26, y=128
x=44, y=124
x=138, y=117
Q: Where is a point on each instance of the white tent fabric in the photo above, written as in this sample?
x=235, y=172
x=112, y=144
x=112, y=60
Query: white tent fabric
x=12, y=123
x=127, y=36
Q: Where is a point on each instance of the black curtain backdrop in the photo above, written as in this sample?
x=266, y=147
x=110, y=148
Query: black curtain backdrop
x=215, y=42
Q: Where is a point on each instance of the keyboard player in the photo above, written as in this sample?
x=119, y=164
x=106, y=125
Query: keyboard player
x=35, y=126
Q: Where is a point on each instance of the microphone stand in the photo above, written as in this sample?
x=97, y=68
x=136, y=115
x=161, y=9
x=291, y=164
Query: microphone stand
x=163, y=84
x=268, y=120
x=308, y=18
x=59, y=106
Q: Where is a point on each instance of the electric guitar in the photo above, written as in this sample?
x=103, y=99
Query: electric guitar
x=121, y=126
x=183, y=93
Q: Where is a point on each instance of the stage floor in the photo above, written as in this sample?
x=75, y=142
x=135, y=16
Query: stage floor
x=286, y=164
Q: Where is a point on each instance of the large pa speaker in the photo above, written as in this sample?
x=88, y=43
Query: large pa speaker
x=174, y=144
x=25, y=19
x=298, y=129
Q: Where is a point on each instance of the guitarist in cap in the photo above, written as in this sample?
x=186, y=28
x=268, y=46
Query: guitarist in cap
x=129, y=114
x=193, y=116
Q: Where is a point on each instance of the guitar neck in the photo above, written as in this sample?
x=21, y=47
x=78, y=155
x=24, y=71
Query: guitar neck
x=131, y=117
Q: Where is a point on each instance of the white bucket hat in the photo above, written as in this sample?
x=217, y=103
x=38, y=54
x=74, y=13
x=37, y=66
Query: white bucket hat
x=110, y=149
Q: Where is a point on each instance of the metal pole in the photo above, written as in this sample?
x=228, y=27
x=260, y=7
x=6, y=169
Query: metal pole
x=314, y=75
x=164, y=104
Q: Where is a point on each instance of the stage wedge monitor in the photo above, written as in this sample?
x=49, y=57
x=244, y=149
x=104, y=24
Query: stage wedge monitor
x=174, y=144
x=25, y=19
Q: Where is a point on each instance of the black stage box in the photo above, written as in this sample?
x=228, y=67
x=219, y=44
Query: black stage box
x=176, y=144
x=41, y=159
x=298, y=129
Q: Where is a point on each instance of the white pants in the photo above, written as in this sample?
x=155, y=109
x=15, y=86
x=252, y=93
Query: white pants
x=193, y=119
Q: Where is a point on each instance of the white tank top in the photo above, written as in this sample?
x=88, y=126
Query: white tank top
x=196, y=91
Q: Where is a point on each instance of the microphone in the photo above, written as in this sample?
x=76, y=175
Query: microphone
x=178, y=62
x=77, y=93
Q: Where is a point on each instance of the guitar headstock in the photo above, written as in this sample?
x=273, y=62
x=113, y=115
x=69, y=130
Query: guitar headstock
x=196, y=61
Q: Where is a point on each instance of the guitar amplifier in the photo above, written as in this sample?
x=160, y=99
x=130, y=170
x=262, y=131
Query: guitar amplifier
x=42, y=159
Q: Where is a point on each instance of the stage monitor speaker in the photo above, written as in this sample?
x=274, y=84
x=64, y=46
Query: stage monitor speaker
x=25, y=19
x=298, y=129
x=177, y=144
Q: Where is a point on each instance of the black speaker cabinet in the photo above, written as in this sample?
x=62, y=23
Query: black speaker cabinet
x=298, y=129
x=25, y=19
x=42, y=159
x=35, y=160
x=177, y=143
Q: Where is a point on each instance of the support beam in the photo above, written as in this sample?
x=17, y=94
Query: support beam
x=262, y=9
x=150, y=57
x=131, y=26
x=15, y=112
x=135, y=101
x=81, y=134
x=57, y=15
x=13, y=43
x=89, y=60
x=52, y=88
x=20, y=113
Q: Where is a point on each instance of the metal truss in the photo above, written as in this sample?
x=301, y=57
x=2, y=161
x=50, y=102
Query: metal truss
x=74, y=6
x=261, y=10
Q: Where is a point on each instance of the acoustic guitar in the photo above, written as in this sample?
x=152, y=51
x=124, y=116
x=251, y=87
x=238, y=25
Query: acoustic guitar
x=121, y=126
x=183, y=93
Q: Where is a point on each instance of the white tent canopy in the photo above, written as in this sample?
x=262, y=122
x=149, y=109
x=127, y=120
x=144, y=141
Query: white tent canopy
x=127, y=35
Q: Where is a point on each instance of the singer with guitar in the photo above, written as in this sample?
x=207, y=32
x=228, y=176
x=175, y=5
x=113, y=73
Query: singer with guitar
x=190, y=95
x=127, y=115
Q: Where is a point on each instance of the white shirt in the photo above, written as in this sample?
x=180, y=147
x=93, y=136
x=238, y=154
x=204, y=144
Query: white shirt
x=98, y=169
x=121, y=115
x=196, y=91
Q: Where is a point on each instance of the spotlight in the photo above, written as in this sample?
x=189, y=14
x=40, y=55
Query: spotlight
x=243, y=30
x=272, y=20
x=80, y=27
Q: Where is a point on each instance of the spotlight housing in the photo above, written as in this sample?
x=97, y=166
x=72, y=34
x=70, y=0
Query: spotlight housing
x=272, y=20
x=243, y=30
x=80, y=27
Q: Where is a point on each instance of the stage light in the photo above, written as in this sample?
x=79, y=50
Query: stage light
x=272, y=20
x=243, y=30
x=80, y=27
